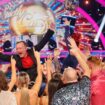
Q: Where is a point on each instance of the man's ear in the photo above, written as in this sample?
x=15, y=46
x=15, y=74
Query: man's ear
x=63, y=79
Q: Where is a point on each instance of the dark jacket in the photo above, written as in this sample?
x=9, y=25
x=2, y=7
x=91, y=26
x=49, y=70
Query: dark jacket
x=32, y=71
x=38, y=47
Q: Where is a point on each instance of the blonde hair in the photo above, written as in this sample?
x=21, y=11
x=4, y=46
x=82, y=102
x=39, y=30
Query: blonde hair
x=103, y=65
x=95, y=60
x=25, y=98
x=23, y=81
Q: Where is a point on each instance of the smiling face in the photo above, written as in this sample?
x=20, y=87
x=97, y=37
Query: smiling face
x=21, y=49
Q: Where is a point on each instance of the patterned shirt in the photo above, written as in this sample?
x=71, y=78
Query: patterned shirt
x=77, y=93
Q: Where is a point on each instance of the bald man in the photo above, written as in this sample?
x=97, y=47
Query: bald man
x=74, y=92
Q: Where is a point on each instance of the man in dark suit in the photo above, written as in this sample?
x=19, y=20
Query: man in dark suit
x=25, y=59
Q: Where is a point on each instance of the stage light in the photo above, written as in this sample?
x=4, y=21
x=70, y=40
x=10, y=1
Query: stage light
x=98, y=9
x=100, y=30
x=87, y=2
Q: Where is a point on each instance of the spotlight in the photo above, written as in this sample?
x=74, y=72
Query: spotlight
x=87, y=2
x=100, y=30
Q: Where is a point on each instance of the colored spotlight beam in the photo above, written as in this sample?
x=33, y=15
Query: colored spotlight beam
x=94, y=24
x=100, y=30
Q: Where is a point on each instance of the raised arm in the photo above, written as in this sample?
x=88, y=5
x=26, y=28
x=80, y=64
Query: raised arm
x=38, y=81
x=49, y=67
x=46, y=38
x=13, y=76
x=77, y=53
x=75, y=46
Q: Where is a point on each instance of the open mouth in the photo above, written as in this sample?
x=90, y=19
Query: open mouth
x=20, y=54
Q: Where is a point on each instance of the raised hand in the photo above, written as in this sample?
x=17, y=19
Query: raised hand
x=49, y=67
x=72, y=42
x=37, y=55
x=13, y=61
x=73, y=46
x=49, y=61
x=56, y=52
x=13, y=76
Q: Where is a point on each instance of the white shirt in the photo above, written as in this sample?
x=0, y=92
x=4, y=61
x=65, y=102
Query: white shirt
x=7, y=98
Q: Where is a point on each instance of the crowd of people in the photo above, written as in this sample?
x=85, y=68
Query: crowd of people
x=78, y=80
x=80, y=85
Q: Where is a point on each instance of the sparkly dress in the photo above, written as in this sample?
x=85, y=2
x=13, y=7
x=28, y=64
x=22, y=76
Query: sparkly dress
x=77, y=93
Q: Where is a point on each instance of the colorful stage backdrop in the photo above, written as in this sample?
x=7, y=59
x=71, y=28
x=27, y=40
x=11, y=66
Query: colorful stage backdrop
x=18, y=22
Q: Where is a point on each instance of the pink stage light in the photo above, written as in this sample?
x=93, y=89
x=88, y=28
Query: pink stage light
x=61, y=1
x=94, y=24
x=102, y=2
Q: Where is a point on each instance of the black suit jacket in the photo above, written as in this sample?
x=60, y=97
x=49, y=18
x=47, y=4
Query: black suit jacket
x=38, y=47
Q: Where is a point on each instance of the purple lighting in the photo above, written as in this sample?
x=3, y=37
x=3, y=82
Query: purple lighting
x=102, y=2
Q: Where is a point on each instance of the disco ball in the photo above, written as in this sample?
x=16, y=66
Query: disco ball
x=31, y=19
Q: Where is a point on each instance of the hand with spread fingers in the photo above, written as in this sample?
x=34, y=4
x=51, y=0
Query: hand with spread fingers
x=73, y=46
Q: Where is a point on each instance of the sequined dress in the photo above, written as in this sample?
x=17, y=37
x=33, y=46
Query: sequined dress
x=77, y=93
